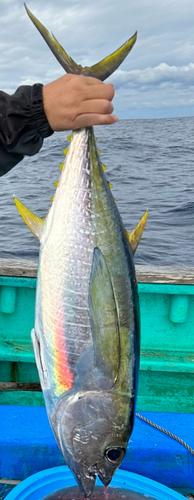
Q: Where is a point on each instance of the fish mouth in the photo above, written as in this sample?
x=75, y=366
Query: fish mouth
x=86, y=481
x=105, y=479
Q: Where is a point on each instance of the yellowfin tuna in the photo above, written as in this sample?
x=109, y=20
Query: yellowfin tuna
x=86, y=335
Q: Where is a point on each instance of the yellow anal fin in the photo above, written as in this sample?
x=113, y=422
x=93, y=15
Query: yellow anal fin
x=135, y=236
x=34, y=223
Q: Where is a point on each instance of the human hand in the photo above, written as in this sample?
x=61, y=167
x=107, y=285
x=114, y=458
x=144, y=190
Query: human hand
x=74, y=101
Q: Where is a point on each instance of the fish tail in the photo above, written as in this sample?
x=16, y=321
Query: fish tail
x=102, y=70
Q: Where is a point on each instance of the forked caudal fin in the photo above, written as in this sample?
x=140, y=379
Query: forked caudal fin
x=102, y=70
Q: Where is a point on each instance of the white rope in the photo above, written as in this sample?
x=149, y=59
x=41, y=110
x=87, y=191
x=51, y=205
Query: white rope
x=166, y=432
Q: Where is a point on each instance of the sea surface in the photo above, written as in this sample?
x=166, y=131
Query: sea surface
x=150, y=164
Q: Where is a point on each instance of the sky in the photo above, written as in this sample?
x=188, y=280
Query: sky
x=155, y=81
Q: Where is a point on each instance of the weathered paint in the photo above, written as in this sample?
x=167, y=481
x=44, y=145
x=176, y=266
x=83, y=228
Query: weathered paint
x=167, y=346
x=27, y=446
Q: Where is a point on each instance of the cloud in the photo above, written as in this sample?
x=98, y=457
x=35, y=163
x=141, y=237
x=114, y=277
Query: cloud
x=159, y=75
x=160, y=68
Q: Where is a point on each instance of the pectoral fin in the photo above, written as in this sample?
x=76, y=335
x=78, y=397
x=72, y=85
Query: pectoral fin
x=102, y=70
x=104, y=319
x=38, y=353
x=135, y=237
x=34, y=223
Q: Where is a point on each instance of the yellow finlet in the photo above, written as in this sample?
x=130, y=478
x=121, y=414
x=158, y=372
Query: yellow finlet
x=52, y=198
x=109, y=185
x=34, y=223
x=103, y=167
x=69, y=137
x=135, y=236
x=61, y=166
x=56, y=184
x=99, y=152
x=65, y=151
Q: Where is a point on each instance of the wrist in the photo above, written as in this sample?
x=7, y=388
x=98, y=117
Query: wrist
x=38, y=111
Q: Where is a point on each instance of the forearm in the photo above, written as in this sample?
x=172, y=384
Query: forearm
x=23, y=125
x=33, y=113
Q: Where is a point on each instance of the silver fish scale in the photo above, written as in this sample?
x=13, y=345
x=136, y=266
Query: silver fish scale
x=66, y=257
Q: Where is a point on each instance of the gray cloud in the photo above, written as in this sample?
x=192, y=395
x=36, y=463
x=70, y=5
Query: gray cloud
x=160, y=68
x=155, y=76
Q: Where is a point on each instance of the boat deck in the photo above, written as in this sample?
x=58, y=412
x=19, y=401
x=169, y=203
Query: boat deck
x=166, y=381
x=28, y=446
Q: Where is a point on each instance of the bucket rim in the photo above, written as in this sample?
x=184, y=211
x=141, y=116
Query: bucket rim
x=42, y=483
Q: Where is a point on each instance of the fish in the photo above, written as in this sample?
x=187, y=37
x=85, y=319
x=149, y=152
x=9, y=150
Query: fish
x=86, y=336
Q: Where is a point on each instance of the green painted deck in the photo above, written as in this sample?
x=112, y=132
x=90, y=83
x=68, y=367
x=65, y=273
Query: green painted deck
x=166, y=381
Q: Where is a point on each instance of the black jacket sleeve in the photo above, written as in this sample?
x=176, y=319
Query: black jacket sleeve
x=23, y=125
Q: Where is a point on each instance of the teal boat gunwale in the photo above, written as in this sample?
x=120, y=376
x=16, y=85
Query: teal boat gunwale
x=145, y=273
x=18, y=281
x=167, y=346
x=166, y=288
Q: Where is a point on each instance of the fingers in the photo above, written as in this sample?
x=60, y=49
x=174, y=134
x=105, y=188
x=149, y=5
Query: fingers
x=99, y=91
x=89, y=120
x=91, y=88
x=96, y=106
x=75, y=101
x=90, y=80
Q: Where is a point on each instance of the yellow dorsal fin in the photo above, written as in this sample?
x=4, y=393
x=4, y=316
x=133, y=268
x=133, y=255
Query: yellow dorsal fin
x=135, y=236
x=34, y=223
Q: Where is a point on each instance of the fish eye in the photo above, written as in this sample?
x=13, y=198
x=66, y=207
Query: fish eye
x=115, y=455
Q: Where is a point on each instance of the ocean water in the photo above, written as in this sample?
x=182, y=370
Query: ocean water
x=150, y=164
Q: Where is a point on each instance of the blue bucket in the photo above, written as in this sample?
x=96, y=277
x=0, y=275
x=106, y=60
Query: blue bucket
x=43, y=483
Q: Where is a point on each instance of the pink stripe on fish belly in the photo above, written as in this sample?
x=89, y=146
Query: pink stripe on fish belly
x=63, y=375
